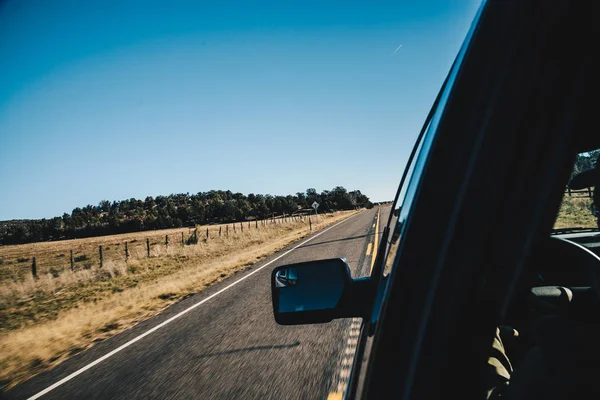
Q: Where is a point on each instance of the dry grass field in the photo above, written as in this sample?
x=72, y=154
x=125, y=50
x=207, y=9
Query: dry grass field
x=575, y=212
x=45, y=320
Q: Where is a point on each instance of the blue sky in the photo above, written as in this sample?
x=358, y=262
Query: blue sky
x=119, y=99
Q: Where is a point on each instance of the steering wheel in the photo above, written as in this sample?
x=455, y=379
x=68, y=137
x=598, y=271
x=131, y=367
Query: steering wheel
x=561, y=262
x=555, y=262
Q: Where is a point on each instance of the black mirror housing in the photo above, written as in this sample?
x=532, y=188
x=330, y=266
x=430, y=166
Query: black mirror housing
x=317, y=292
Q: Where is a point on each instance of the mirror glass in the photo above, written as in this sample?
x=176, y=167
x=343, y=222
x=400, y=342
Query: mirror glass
x=317, y=285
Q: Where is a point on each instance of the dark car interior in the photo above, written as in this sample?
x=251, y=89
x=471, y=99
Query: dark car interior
x=555, y=308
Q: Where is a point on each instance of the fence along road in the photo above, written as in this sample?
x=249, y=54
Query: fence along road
x=222, y=343
x=146, y=248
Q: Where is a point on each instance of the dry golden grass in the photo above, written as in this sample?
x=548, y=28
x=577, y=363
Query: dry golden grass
x=575, y=212
x=47, y=320
x=15, y=261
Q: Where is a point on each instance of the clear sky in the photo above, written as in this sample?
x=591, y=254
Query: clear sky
x=119, y=99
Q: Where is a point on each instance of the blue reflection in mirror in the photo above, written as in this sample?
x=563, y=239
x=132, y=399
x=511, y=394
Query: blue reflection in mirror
x=286, y=277
x=314, y=286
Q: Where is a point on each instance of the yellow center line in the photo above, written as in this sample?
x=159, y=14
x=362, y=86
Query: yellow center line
x=375, y=241
x=370, y=247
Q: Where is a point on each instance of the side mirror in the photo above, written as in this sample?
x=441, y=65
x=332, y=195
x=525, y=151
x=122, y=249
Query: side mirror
x=316, y=292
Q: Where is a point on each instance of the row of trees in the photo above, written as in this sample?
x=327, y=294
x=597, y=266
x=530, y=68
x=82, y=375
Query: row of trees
x=585, y=161
x=174, y=211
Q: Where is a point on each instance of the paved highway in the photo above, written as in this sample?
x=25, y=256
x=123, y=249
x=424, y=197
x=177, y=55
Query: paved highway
x=228, y=345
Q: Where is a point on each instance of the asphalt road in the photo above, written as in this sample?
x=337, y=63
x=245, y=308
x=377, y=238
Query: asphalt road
x=229, y=345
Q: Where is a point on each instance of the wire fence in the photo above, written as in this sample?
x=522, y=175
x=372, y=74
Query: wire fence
x=588, y=192
x=85, y=254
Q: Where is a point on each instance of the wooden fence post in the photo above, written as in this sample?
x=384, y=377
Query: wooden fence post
x=100, y=253
x=256, y=224
x=248, y=225
x=589, y=191
x=167, y=241
x=72, y=266
x=569, y=190
x=220, y=227
x=227, y=230
x=242, y=227
x=34, y=269
x=234, y=231
x=182, y=241
x=310, y=223
x=206, y=233
x=148, y=246
x=126, y=252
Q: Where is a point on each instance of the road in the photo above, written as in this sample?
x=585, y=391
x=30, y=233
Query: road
x=228, y=346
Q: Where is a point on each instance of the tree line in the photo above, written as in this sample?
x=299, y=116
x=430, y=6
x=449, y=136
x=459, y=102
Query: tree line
x=174, y=211
x=585, y=161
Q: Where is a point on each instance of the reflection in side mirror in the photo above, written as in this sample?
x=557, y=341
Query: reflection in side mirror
x=314, y=292
x=286, y=277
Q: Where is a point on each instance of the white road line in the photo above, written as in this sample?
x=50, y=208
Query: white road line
x=349, y=351
x=346, y=362
x=173, y=318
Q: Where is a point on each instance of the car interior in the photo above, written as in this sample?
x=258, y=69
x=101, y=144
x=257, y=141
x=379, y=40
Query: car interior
x=555, y=308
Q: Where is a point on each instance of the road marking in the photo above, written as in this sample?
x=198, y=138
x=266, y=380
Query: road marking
x=375, y=241
x=345, y=364
x=353, y=333
x=173, y=318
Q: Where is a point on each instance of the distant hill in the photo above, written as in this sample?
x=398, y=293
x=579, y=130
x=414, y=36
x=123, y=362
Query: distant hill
x=174, y=211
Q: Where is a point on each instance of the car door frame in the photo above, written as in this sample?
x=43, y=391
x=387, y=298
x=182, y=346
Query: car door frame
x=467, y=234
